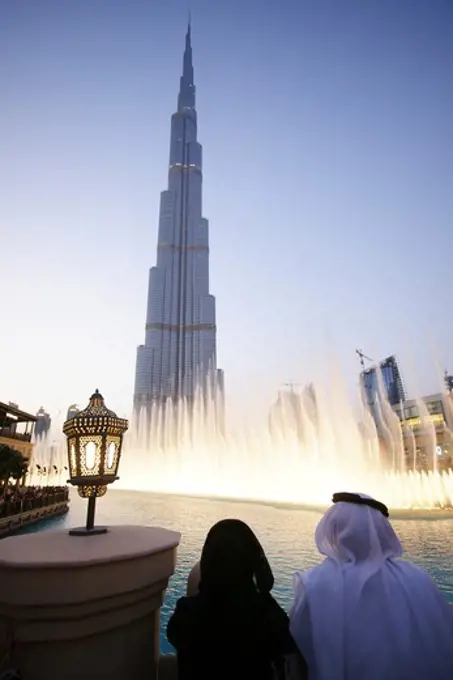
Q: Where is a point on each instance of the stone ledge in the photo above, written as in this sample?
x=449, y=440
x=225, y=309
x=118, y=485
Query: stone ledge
x=86, y=607
x=85, y=562
x=59, y=549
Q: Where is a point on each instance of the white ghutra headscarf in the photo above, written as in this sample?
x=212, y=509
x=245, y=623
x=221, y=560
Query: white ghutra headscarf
x=364, y=614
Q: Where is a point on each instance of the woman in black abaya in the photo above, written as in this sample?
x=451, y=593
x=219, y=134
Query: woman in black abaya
x=233, y=628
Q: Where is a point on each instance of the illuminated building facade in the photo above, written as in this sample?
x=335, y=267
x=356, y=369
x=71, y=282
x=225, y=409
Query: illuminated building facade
x=427, y=426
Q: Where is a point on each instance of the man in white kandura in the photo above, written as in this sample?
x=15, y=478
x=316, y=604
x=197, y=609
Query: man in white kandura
x=364, y=614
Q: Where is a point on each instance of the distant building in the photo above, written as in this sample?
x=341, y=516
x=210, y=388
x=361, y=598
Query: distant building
x=386, y=378
x=43, y=422
x=382, y=388
x=73, y=410
x=293, y=411
x=425, y=429
x=427, y=423
x=16, y=428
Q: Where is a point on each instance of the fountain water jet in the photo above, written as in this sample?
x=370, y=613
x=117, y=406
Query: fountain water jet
x=315, y=450
x=281, y=465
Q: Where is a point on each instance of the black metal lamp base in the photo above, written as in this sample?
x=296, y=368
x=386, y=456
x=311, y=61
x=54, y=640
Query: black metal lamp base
x=89, y=529
x=83, y=531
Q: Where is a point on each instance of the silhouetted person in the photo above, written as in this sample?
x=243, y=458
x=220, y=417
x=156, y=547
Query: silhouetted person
x=233, y=629
x=364, y=614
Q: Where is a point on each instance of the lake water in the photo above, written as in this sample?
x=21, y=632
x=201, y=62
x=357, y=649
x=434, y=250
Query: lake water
x=286, y=535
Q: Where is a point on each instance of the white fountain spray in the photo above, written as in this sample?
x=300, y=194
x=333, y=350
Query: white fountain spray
x=178, y=450
x=279, y=465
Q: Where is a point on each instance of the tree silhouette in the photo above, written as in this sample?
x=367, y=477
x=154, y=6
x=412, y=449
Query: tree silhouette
x=12, y=464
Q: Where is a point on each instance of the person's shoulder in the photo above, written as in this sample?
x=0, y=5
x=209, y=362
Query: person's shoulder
x=409, y=569
x=415, y=578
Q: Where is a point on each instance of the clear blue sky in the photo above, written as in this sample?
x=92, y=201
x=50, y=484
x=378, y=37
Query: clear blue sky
x=328, y=175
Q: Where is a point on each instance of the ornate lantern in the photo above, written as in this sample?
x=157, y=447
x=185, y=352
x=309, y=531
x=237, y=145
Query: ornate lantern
x=95, y=437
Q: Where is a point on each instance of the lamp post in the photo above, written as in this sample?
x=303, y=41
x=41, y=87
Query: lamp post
x=95, y=437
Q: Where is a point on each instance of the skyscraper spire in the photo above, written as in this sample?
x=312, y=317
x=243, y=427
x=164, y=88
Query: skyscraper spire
x=186, y=98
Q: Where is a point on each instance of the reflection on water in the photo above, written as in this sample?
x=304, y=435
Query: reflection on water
x=287, y=536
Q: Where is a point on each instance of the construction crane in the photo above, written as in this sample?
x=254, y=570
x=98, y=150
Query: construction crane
x=362, y=356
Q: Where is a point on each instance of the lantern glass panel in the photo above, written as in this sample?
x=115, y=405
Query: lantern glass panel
x=90, y=458
x=90, y=455
x=110, y=455
x=112, y=458
x=72, y=457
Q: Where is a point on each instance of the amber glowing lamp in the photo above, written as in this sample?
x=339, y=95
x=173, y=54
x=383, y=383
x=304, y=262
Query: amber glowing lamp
x=95, y=438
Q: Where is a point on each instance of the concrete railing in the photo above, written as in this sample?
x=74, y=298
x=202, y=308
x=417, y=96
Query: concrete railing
x=78, y=607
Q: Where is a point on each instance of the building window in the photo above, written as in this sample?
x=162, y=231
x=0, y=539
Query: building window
x=434, y=407
x=411, y=412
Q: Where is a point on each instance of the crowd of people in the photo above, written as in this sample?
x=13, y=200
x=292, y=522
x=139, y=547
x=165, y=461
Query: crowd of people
x=362, y=614
x=19, y=499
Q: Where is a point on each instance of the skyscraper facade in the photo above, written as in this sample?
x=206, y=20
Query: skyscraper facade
x=179, y=354
x=391, y=385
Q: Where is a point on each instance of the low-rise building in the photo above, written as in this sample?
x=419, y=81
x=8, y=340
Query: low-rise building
x=427, y=427
x=16, y=428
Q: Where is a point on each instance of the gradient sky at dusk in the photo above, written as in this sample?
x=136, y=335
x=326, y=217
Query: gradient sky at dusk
x=328, y=174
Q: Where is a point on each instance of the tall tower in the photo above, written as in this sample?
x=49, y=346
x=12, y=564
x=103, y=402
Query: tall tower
x=43, y=422
x=179, y=353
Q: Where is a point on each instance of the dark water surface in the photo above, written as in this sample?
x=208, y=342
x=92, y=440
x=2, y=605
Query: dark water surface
x=287, y=536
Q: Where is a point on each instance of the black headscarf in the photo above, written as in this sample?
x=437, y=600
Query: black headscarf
x=232, y=560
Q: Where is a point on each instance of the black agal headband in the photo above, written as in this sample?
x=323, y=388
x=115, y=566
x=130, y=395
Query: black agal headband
x=345, y=497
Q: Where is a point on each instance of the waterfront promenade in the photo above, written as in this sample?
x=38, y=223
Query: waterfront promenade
x=29, y=505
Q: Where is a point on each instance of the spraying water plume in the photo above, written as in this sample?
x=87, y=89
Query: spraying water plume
x=315, y=447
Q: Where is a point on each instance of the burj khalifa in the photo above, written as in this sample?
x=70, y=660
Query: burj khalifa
x=178, y=359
